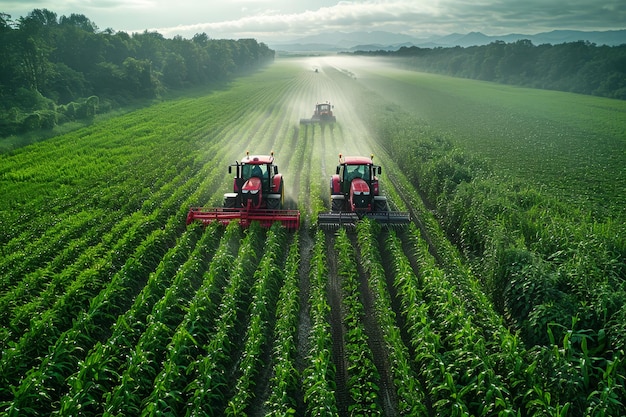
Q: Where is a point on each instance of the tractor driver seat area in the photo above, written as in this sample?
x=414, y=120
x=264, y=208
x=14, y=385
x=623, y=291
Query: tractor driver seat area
x=248, y=171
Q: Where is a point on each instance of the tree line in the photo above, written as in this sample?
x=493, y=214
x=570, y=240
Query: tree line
x=57, y=69
x=577, y=67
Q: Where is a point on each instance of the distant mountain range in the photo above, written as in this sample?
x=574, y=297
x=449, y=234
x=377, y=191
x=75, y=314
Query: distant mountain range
x=378, y=40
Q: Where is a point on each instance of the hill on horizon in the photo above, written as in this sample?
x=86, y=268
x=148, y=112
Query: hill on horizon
x=380, y=40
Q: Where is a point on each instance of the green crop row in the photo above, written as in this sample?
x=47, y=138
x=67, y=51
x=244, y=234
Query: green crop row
x=42, y=386
x=143, y=364
x=409, y=390
x=100, y=369
x=268, y=281
x=318, y=378
x=450, y=359
x=209, y=391
x=285, y=381
x=194, y=331
x=363, y=377
x=552, y=268
x=50, y=290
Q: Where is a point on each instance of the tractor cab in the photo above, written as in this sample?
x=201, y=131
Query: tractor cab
x=324, y=109
x=258, y=166
x=355, y=193
x=255, y=166
x=351, y=168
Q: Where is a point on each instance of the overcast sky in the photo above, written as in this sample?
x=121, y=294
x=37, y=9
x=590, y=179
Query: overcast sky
x=275, y=20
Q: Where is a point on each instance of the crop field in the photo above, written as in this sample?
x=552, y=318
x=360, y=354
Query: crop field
x=493, y=301
x=572, y=143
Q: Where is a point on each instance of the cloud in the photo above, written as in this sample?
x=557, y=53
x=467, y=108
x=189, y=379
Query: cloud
x=288, y=19
x=417, y=17
x=345, y=15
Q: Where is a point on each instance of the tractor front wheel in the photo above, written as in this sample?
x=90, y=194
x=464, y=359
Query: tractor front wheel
x=275, y=202
x=230, y=202
x=337, y=204
x=381, y=206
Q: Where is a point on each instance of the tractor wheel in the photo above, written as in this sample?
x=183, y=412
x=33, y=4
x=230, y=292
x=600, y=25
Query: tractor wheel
x=381, y=205
x=277, y=201
x=273, y=203
x=230, y=202
x=337, y=205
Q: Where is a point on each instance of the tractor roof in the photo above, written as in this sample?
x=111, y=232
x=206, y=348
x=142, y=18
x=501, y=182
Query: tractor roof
x=258, y=159
x=357, y=160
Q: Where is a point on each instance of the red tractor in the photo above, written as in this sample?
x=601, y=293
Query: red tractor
x=323, y=115
x=355, y=193
x=258, y=195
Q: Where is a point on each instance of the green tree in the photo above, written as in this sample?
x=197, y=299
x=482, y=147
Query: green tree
x=79, y=21
x=33, y=40
x=138, y=77
x=8, y=56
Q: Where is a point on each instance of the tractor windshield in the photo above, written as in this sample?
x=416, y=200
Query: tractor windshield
x=248, y=171
x=357, y=171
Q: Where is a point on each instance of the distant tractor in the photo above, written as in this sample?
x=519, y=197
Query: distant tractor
x=322, y=115
x=355, y=193
x=258, y=195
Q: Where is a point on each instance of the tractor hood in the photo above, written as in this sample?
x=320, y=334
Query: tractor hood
x=253, y=185
x=359, y=187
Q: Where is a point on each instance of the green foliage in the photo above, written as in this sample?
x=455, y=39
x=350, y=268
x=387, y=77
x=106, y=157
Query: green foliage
x=363, y=377
x=285, y=380
x=542, y=258
x=112, y=305
x=318, y=378
x=539, y=257
x=580, y=67
x=53, y=62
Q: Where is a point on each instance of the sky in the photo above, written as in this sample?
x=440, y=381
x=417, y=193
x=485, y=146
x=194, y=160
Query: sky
x=283, y=20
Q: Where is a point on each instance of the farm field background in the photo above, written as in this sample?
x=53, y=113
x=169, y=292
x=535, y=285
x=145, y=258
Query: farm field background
x=571, y=143
x=113, y=306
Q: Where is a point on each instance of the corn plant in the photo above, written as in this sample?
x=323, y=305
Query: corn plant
x=363, y=377
x=285, y=381
x=318, y=377
x=268, y=277
x=411, y=397
x=186, y=345
x=209, y=390
x=99, y=371
x=143, y=365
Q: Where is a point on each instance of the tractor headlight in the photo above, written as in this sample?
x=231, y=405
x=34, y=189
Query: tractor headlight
x=254, y=191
